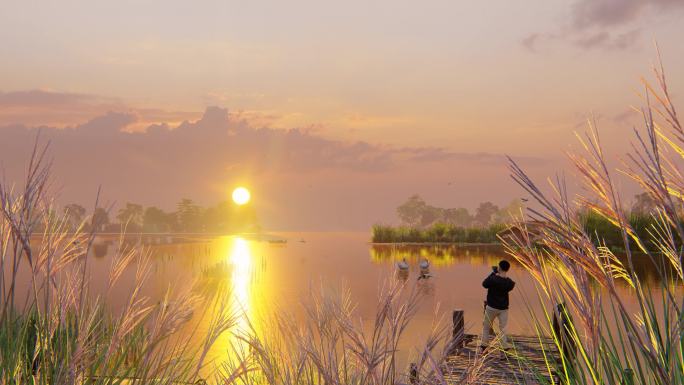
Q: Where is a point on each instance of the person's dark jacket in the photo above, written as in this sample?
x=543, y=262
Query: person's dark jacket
x=497, y=290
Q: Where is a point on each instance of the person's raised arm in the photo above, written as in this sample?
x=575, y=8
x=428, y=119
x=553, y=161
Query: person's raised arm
x=487, y=283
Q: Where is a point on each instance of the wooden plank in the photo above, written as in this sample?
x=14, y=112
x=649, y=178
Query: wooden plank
x=525, y=363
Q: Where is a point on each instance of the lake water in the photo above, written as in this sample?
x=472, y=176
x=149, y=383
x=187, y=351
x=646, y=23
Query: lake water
x=265, y=275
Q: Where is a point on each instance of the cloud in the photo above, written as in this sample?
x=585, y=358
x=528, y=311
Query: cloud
x=605, y=40
x=605, y=24
x=36, y=98
x=228, y=140
x=432, y=154
x=62, y=109
x=531, y=41
x=609, y=13
x=306, y=180
x=626, y=117
x=37, y=107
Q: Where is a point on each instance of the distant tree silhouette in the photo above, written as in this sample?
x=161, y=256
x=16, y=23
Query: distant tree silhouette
x=513, y=209
x=458, y=217
x=415, y=212
x=188, y=214
x=100, y=219
x=74, y=214
x=225, y=217
x=131, y=215
x=643, y=203
x=430, y=215
x=157, y=220
x=484, y=214
x=411, y=212
x=222, y=217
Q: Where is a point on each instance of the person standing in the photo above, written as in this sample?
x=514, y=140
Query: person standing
x=498, y=286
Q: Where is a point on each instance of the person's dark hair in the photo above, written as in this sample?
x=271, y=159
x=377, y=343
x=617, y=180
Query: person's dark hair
x=504, y=265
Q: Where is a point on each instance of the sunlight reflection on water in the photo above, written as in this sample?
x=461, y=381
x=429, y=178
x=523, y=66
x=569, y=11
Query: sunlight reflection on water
x=241, y=261
x=265, y=276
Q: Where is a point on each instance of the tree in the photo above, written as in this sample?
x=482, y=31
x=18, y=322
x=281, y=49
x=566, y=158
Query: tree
x=411, y=211
x=458, y=217
x=643, y=203
x=430, y=215
x=131, y=214
x=100, y=219
x=188, y=215
x=74, y=214
x=485, y=213
x=156, y=220
x=513, y=209
x=220, y=218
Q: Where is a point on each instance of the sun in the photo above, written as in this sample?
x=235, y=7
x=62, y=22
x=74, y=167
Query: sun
x=241, y=196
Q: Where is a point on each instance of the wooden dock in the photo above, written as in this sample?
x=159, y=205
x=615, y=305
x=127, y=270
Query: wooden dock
x=530, y=359
x=525, y=363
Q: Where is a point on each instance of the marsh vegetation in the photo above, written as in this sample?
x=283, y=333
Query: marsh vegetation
x=437, y=233
x=189, y=217
x=55, y=329
x=613, y=344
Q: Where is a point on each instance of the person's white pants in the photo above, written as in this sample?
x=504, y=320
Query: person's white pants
x=490, y=315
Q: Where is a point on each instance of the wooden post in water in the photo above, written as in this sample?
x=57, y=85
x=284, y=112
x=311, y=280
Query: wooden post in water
x=458, y=320
x=457, y=331
x=413, y=373
x=562, y=326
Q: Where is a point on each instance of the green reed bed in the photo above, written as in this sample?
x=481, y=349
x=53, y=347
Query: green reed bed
x=437, y=233
x=603, y=232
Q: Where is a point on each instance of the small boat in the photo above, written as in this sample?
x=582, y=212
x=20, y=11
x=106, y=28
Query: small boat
x=403, y=265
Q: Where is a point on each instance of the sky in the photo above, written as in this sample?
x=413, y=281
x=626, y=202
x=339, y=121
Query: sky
x=333, y=113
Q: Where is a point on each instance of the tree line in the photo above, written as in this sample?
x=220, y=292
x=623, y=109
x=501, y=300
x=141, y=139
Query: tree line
x=422, y=222
x=415, y=212
x=188, y=217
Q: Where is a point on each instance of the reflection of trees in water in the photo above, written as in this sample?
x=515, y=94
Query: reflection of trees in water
x=645, y=269
x=438, y=255
x=162, y=247
x=100, y=249
x=426, y=287
x=214, y=278
x=446, y=255
x=402, y=275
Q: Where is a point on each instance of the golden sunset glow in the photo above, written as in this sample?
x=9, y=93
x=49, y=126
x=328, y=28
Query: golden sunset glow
x=241, y=196
x=274, y=192
x=241, y=261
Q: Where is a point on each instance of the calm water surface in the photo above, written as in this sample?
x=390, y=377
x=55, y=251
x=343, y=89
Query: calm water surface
x=266, y=276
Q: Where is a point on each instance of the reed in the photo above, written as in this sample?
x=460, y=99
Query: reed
x=611, y=342
x=331, y=345
x=437, y=233
x=55, y=329
x=603, y=232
